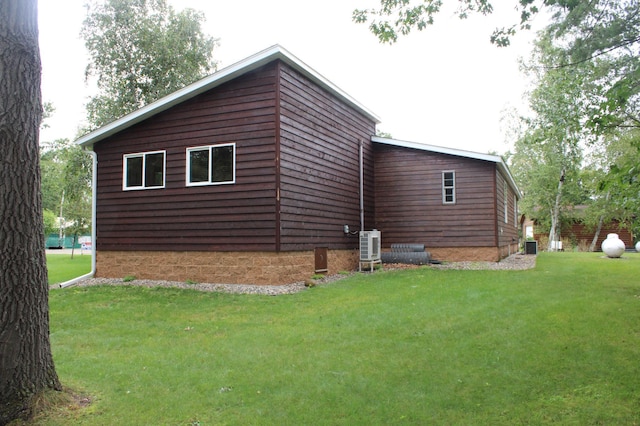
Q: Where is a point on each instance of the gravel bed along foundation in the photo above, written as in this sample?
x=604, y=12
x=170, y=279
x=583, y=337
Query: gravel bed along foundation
x=513, y=262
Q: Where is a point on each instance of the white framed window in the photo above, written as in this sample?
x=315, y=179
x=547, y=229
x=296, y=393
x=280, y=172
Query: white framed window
x=144, y=170
x=515, y=211
x=211, y=164
x=448, y=187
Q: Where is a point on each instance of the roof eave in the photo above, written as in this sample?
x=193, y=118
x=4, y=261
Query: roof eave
x=502, y=166
x=218, y=78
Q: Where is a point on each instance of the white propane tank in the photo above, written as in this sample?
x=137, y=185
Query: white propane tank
x=613, y=246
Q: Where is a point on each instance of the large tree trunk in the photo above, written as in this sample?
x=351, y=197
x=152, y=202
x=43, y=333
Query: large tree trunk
x=554, y=232
x=26, y=364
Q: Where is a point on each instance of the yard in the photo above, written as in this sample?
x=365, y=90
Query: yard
x=62, y=267
x=558, y=344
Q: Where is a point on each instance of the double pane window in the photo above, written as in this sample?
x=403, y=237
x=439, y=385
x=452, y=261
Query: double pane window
x=211, y=165
x=144, y=170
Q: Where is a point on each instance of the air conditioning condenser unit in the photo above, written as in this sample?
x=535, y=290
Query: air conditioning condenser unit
x=370, y=246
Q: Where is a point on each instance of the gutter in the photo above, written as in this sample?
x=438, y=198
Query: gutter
x=361, y=187
x=94, y=182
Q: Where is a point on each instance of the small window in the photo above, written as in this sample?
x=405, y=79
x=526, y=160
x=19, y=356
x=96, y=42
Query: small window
x=448, y=187
x=144, y=170
x=211, y=165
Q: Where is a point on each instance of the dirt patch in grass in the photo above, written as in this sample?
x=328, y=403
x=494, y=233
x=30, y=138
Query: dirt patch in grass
x=56, y=405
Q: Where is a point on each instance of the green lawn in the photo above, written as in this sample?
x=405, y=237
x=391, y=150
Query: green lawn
x=559, y=344
x=62, y=267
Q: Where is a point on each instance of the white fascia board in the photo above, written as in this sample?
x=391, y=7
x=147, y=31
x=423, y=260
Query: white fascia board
x=438, y=149
x=457, y=152
x=216, y=79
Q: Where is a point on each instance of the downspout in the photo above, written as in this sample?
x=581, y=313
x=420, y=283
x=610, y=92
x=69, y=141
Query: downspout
x=361, y=187
x=277, y=147
x=94, y=195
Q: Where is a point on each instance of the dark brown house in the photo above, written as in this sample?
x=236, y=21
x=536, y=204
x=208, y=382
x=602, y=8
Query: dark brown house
x=251, y=174
x=462, y=205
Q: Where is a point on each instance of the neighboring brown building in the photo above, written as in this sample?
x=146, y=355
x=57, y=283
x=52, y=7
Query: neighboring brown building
x=577, y=234
x=251, y=174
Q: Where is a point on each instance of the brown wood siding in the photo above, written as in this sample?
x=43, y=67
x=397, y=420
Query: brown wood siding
x=408, y=199
x=230, y=217
x=581, y=233
x=578, y=233
x=320, y=178
x=507, y=229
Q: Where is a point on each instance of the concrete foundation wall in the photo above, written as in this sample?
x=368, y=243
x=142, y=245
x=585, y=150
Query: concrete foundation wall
x=263, y=268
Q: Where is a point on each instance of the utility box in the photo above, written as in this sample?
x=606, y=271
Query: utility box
x=530, y=247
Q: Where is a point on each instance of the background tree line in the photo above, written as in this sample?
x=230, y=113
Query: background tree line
x=579, y=146
x=139, y=51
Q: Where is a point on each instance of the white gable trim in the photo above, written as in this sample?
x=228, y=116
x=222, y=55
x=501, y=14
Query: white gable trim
x=502, y=166
x=220, y=77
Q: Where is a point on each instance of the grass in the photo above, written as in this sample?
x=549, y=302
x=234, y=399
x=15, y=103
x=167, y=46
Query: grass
x=555, y=345
x=62, y=267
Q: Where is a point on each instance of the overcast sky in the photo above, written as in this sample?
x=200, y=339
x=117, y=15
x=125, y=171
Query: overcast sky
x=444, y=86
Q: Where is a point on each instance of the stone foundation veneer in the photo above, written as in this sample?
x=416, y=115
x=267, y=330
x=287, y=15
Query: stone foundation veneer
x=263, y=268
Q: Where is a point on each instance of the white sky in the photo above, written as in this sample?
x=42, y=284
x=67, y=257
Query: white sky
x=444, y=86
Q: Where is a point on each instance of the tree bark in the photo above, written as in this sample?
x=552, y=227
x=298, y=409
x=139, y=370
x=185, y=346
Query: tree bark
x=592, y=247
x=26, y=362
x=554, y=232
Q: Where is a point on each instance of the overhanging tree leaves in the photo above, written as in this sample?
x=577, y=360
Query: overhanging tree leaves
x=605, y=34
x=140, y=51
x=400, y=17
x=26, y=363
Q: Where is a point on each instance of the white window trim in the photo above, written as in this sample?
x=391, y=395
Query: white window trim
x=209, y=147
x=444, y=192
x=515, y=211
x=125, y=157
